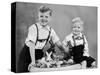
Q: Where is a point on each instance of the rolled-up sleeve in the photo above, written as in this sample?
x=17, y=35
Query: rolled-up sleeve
x=54, y=36
x=32, y=34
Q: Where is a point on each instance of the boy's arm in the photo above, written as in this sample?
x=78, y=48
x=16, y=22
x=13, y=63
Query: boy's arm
x=30, y=42
x=86, y=49
x=56, y=40
x=66, y=43
x=60, y=46
x=31, y=46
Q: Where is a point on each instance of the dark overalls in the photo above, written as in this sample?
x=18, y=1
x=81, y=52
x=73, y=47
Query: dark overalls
x=25, y=58
x=77, y=53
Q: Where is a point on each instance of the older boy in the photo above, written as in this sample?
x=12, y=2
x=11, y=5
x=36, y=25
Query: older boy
x=38, y=36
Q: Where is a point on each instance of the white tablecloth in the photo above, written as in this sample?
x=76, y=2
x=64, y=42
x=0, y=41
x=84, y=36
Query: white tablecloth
x=71, y=67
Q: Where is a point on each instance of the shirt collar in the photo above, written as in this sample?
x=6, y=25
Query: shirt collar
x=41, y=27
x=80, y=35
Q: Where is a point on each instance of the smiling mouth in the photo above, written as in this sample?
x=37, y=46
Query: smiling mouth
x=76, y=31
x=44, y=21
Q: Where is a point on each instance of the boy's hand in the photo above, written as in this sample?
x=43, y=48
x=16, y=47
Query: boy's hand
x=66, y=49
x=31, y=46
x=70, y=61
x=31, y=66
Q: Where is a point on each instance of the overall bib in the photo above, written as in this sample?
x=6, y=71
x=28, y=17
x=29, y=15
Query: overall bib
x=77, y=53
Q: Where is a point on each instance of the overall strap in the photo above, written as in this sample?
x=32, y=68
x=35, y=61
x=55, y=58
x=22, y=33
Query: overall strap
x=47, y=38
x=37, y=33
x=74, y=40
x=83, y=39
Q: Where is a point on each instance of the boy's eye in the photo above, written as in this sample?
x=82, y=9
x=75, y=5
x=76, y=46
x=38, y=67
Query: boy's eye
x=46, y=16
x=41, y=16
x=78, y=27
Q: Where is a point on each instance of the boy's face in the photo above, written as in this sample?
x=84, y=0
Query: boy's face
x=77, y=28
x=44, y=18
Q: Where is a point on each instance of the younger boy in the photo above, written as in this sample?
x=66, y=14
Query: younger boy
x=78, y=45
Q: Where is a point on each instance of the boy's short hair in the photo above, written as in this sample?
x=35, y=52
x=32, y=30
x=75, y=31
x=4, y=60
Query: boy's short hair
x=77, y=19
x=43, y=9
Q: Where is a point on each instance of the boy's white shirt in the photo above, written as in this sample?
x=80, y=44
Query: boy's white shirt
x=42, y=33
x=78, y=42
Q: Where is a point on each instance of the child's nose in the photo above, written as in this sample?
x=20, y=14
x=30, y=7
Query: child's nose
x=43, y=17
